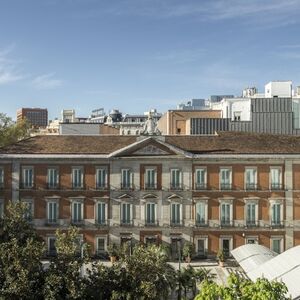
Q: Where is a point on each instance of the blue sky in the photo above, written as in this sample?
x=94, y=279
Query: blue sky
x=139, y=54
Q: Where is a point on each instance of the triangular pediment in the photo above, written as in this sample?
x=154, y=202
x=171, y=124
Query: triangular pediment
x=149, y=196
x=125, y=196
x=148, y=147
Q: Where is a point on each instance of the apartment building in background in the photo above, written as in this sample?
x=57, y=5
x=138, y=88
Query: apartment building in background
x=37, y=117
x=219, y=192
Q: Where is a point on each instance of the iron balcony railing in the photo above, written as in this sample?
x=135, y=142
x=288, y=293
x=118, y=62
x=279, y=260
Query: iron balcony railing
x=150, y=186
x=225, y=186
x=200, y=186
x=252, y=223
x=277, y=224
x=251, y=186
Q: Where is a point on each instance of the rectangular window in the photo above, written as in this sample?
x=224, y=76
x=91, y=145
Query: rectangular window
x=126, y=214
x=51, y=246
x=237, y=115
x=225, y=214
x=101, y=243
x=276, y=245
x=77, y=212
x=275, y=175
x=101, y=213
x=53, y=178
x=29, y=210
x=251, y=179
x=77, y=178
x=201, y=213
x=150, y=179
x=150, y=213
x=27, y=177
x=225, y=179
x=126, y=182
x=1, y=178
x=251, y=218
x=200, y=179
x=52, y=208
x=101, y=179
x=276, y=214
x=175, y=179
x=175, y=213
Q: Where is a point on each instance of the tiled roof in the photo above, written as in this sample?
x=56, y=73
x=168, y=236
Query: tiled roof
x=69, y=144
x=223, y=143
x=237, y=143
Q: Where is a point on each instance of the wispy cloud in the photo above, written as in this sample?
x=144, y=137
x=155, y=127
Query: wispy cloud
x=46, y=82
x=9, y=68
x=271, y=13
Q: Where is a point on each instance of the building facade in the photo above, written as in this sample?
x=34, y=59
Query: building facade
x=38, y=117
x=218, y=192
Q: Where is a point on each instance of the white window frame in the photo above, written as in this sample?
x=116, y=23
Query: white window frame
x=251, y=201
x=75, y=168
x=274, y=201
x=179, y=184
x=279, y=168
x=230, y=178
x=51, y=237
x=29, y=201
x=52, y=200
x=102, y=169
x=255, y=178
x=79, y=201
x=277, y=238
x=130, y=176
x=102, y=237
x=204, y=170
x=130, y=211
x=56, y=185
x=147, y=184
x=2, y=176
x=252, y=237
x=180, y=214
x=97, y=212
x=230, y=203
x=205, y=203
x=205, y=238
x=224, y=237
x=155, y=213
x=24, y=171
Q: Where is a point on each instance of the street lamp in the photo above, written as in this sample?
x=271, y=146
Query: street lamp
x=179, y=253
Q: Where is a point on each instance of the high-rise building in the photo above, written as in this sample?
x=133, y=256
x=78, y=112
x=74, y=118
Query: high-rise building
x=38, y=117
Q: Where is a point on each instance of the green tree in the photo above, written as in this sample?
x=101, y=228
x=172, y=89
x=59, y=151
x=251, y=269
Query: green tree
x=21, y=252
x=244, y=289
x=63, y=278
x=11, y=132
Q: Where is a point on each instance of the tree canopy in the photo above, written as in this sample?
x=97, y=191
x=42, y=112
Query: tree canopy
x=11, y=132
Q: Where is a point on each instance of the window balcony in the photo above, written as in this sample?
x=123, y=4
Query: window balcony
x=252, y=223
x=102, y=186
x=200, y=186
x=176, y=186
x=25, y=186
x=51, y=222
x=150, y=186
x=226, y=186
x=226, y=223
x=51, y=253
x=176, y=223
x=125, y=223
x=53, y=186
x=251, y=186
x=78, y=223
x=151, y=223
x=201, y=223
x=101, y=222
x=77, y=187
x=126, y=186
x=277, y=224
x=276, y=186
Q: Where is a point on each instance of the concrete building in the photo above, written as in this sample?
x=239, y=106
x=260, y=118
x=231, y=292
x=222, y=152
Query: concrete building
x=37, y=117
x=194, y=104
x=179, y=121
x=218, y=192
